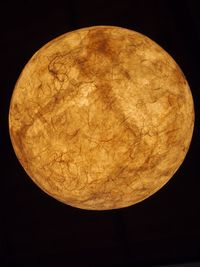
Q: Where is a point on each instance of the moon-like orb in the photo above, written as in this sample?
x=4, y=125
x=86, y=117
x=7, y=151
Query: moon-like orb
x=101, y=118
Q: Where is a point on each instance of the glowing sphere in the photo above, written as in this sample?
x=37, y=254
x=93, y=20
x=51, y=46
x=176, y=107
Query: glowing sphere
x=101, y=118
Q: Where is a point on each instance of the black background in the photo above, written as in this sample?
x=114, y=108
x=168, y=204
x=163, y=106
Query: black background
x=40, y=231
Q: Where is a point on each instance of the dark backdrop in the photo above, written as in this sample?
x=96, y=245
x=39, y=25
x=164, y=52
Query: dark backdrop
x=38, y=230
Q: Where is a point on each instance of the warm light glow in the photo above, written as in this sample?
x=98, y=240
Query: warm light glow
x=101, y=118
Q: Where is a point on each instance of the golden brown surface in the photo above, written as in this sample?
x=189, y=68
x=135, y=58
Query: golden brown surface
x=101, y=118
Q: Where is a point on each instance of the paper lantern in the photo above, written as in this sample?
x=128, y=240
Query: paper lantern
x=101, y=118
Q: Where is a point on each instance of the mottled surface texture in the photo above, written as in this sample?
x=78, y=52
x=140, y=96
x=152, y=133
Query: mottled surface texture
x=101, y=118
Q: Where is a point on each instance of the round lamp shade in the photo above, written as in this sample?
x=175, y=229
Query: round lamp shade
x=101, y=118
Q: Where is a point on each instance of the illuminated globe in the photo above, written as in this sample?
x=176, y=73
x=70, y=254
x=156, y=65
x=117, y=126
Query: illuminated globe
x=101, y=118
